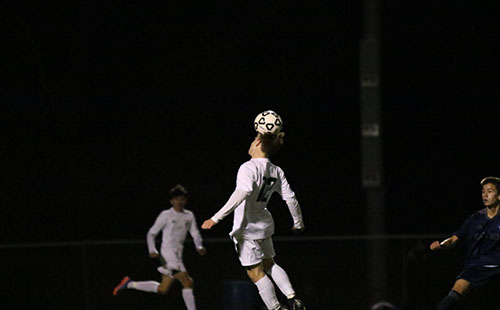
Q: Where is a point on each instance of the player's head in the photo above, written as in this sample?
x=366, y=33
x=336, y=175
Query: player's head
x=491, y=180
x=491, y=191
x=178, y=196
x=383, y=305
x=268, y=144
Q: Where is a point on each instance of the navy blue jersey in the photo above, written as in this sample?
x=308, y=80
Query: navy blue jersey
x=482, y=235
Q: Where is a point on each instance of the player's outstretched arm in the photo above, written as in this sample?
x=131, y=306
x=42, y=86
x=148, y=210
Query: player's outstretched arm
x=445, y=244
x=234, y=201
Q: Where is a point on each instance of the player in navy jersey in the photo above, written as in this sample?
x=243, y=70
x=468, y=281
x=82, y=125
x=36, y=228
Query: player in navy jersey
x=174, y=223
x=253, y=224
x=481, y=232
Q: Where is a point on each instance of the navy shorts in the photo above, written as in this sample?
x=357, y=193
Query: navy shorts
x=479, y=275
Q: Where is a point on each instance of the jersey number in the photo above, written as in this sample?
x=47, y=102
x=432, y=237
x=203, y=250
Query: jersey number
x=265, y=190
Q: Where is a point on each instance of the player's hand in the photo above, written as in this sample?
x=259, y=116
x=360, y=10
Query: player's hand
x=208, y=224
x=154, y=255
x=436, y=245
x=202, y=251
x=298, y=229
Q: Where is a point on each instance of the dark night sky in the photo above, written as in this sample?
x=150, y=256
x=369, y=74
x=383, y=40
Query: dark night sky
x=106, y=105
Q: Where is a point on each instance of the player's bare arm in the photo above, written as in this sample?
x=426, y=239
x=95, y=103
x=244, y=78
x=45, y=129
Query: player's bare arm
x=445, y=244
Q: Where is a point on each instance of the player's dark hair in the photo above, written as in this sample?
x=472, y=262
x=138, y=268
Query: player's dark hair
x=177, y=191
x=492, y=180
x=271, y=143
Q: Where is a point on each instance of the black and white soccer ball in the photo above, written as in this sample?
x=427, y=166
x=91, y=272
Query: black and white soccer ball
x=268, y=122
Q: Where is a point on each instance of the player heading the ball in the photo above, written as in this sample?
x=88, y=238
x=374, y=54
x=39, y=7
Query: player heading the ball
x=253, y=224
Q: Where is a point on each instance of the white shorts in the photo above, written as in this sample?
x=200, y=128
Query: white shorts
x=171, y=261
x=253, y=252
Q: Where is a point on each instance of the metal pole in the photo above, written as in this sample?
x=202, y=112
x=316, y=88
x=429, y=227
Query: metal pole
x=371, y=149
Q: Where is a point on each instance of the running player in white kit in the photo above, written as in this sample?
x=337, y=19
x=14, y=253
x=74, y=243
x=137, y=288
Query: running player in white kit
x=253, y=225
x=174, y=224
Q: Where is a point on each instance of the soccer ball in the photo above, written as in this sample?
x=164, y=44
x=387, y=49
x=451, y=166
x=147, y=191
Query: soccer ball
x=268, y=122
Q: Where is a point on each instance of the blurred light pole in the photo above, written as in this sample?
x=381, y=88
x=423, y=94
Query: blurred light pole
x=371, y=150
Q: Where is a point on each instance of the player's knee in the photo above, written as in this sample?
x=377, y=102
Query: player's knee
x=188, y=282
x=462, y=287
x=255, y=274
x=253, y=277
x=163, y=290
x=267, y=264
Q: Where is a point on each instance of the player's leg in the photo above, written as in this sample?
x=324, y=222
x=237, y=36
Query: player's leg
x=264, y=285
x=185, y=279
x=150, y=286
x=167, y=280
x=251, y=256
x=279, y=275
x=460, y=288
x=187, y=291
x=145, y=286
x=171, y=263
x=166, y=283
x=281, y=279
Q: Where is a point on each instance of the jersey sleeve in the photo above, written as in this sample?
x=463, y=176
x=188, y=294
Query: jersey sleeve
x=160, y=222
x=234, y=201
x=296, y=212
x=245, y=178
x=462, y=232
x=244, y=185
x=195, y=233
x=289, y=197
x=284, y=190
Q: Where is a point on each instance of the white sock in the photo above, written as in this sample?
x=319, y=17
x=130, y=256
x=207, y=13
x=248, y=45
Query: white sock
x=187, y=294
x=266, y=292
x=282, y=281
x=145, y=286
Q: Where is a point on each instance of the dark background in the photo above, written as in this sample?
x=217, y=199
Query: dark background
x=105, y=105
x=128, y=99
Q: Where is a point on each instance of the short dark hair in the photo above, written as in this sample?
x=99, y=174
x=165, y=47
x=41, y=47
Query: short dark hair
x=176, y=191
x=271, y=143
x=493, y=180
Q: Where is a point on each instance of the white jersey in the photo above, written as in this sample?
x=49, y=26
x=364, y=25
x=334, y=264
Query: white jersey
x=259, y=179
x=174, y=227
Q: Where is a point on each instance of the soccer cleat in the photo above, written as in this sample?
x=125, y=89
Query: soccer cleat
x=296, y=304
x=121, y=286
